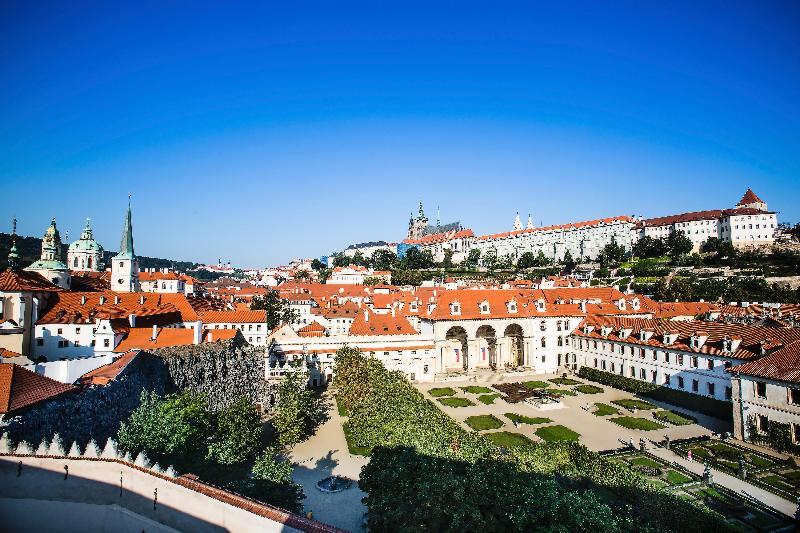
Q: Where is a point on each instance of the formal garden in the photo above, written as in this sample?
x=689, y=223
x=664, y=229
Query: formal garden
x=420, y=458
x=779, y=476
x=741, y=514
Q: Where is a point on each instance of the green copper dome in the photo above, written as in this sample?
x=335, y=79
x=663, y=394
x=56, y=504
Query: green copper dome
x=86, y=243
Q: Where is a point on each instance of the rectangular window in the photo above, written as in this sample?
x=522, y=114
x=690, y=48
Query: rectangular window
x=642, y=373
x=39, y=342
x=77, y=330
x=458, y=354
x=106, y=342
x=762, y=423
x=710, y=364
x=633, y=372
x=794, y=396
x=680, y=359
x=728, y=393
x=667, y=379
x=603, y=364
x=710, y=388
x=613, y=367
x=680, y=382
x=761, y=390
x=595, y=362
x=695, y=385
x=795, y=433
x=694, y=362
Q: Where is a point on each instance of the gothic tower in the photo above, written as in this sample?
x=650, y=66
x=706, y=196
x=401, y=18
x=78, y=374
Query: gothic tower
x=124, y=265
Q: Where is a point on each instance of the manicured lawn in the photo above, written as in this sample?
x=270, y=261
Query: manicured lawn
x=762, y=462
x=556, y=433
x=676, y=478
x=562, y=392
x=564, y=381
x=522, y=419
x=634, y=404
x=475, y=389
x=589, y=389
x=340, y=408
x=535, y=384
x=456, y=402
x=643, y=424
x=645, y=461
x=778, y=482
x=441, y=391
x=603, y=409
x=482, y=422
x=507, y=439
x=699, y=451
x=488, y=399
x=674, y=418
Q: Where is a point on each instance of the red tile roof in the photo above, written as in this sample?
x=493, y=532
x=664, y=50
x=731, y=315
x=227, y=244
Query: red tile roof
x=782, y=365
x=25, y=281
x=314, y=329
x=383, y=324
x=569, y=226
x=436, y=238
x=238, y=316
x=713, y=214
x=141, y=338
x=107, y=373
x=85, y=307
x=20, y=388
x=750, y=198
x=8, y=353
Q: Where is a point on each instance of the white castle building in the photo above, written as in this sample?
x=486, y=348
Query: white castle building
x=85, y=254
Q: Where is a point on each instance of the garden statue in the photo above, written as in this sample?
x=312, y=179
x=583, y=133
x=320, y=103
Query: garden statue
x=742, y=467
x=666, y=442
x=708, y=477
x=642, y=444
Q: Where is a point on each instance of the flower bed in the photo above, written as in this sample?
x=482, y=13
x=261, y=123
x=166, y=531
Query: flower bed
x=476, y=389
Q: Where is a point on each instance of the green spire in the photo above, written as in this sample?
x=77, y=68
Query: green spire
x=126, y=246
x=13, y=255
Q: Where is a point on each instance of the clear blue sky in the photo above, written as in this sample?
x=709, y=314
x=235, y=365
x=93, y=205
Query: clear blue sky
x=259, y=132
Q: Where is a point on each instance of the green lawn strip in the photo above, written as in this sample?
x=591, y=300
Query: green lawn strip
x=778, y=482
x=564, y=381
x=482, y=422
x=475, y=389
x=340, y=408
x=352, y=448
x=589, y=389
x=562, y=392
x=603, y=409
x=642, y=424
x=645, y=461
x=634, y=404
x=674, y=418
x=508, y=439
x=441, y=391
x=557, y=433
x=763, y=462
x=522, y=419
x=535, y=384
x=700, y=451
x=677, y=478
x=488, y=399
x=456, y=402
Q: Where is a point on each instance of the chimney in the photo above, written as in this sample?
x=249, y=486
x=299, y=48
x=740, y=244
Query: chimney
x=116, y=299
x=132, y=320
x=393, y=311
x=582, y=305
x=83, y=300
x=210, y=336
x=141, y=299
x=366, y=315
x=198, y=332
x=102, y=300
x=155, y=333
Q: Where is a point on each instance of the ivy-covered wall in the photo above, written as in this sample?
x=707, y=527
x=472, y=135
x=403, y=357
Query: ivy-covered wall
x=90, y=413
x=777, y=437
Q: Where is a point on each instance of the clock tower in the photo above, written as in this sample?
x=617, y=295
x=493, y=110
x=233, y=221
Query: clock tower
x=124, y=265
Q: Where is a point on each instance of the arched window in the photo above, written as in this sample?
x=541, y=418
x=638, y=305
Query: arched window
x=163, y=284
x=75, y=262
x=543, y=325
x=561, y=341
x=89, y=262
x=544, y=342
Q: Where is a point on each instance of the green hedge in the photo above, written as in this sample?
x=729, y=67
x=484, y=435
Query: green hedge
x=708, y=406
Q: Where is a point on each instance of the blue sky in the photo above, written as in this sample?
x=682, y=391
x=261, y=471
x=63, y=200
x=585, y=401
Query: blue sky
x=263, y=131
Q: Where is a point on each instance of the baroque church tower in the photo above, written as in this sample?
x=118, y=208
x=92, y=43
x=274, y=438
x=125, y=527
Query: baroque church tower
x=50, y=266
x=417, y=226
x=124, y=265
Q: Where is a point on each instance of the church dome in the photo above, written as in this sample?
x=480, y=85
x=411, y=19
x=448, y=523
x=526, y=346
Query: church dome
x=86, y=243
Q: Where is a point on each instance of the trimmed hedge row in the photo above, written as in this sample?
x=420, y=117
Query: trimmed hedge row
x=708, y=406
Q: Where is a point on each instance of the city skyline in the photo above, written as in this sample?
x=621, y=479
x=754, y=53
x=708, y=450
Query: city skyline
x=273, y=132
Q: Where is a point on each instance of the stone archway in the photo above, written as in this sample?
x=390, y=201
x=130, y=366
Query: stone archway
x=516, y=336
x=457, y=333
x=488, y=333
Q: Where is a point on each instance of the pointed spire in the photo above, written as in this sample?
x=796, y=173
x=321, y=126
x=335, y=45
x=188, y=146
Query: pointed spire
x=517, y=223
x=421, y=212
x=530, y=222
x=13, y=254
x=126, y=246
x=438, y=220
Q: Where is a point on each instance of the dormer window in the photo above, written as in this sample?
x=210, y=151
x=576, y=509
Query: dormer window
x=455, y=308
x=512, y=306
x=484, y=307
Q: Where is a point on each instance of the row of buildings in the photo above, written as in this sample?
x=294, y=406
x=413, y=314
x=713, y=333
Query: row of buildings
x=748, y=224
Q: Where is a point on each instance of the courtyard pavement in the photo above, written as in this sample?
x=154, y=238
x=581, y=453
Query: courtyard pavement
x=323, y=454
x=597, y=432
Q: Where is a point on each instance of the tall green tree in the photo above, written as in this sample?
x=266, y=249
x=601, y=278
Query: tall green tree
x=526, y=260
x=474, y=257
x=271, y=482
x=569, y=262
x=237, y=434
x=298, y=410
x=277, y=310
x=678, y=244
x=384, y=260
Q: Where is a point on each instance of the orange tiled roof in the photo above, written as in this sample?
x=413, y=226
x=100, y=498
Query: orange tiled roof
x=750, y=198
x=20, y=388
x=436, y=238
x=569, y=226
x=236, y=316
x=107, y=373
x=381, y=325
x=141, y=338
x=713, y=214
x=314, y=329
x=8, y=353
x=157, y=276
x=85, y=307
x=25, y=281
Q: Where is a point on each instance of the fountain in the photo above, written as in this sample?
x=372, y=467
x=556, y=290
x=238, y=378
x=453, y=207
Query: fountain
x=333, y=484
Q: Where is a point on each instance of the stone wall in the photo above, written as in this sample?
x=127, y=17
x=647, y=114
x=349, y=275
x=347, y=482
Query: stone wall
x=91, y=413
x=222, y=371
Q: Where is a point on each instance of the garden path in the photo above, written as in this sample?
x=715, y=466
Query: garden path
x=323, y=454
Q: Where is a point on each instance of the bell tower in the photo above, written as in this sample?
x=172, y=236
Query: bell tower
x=124, y=265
